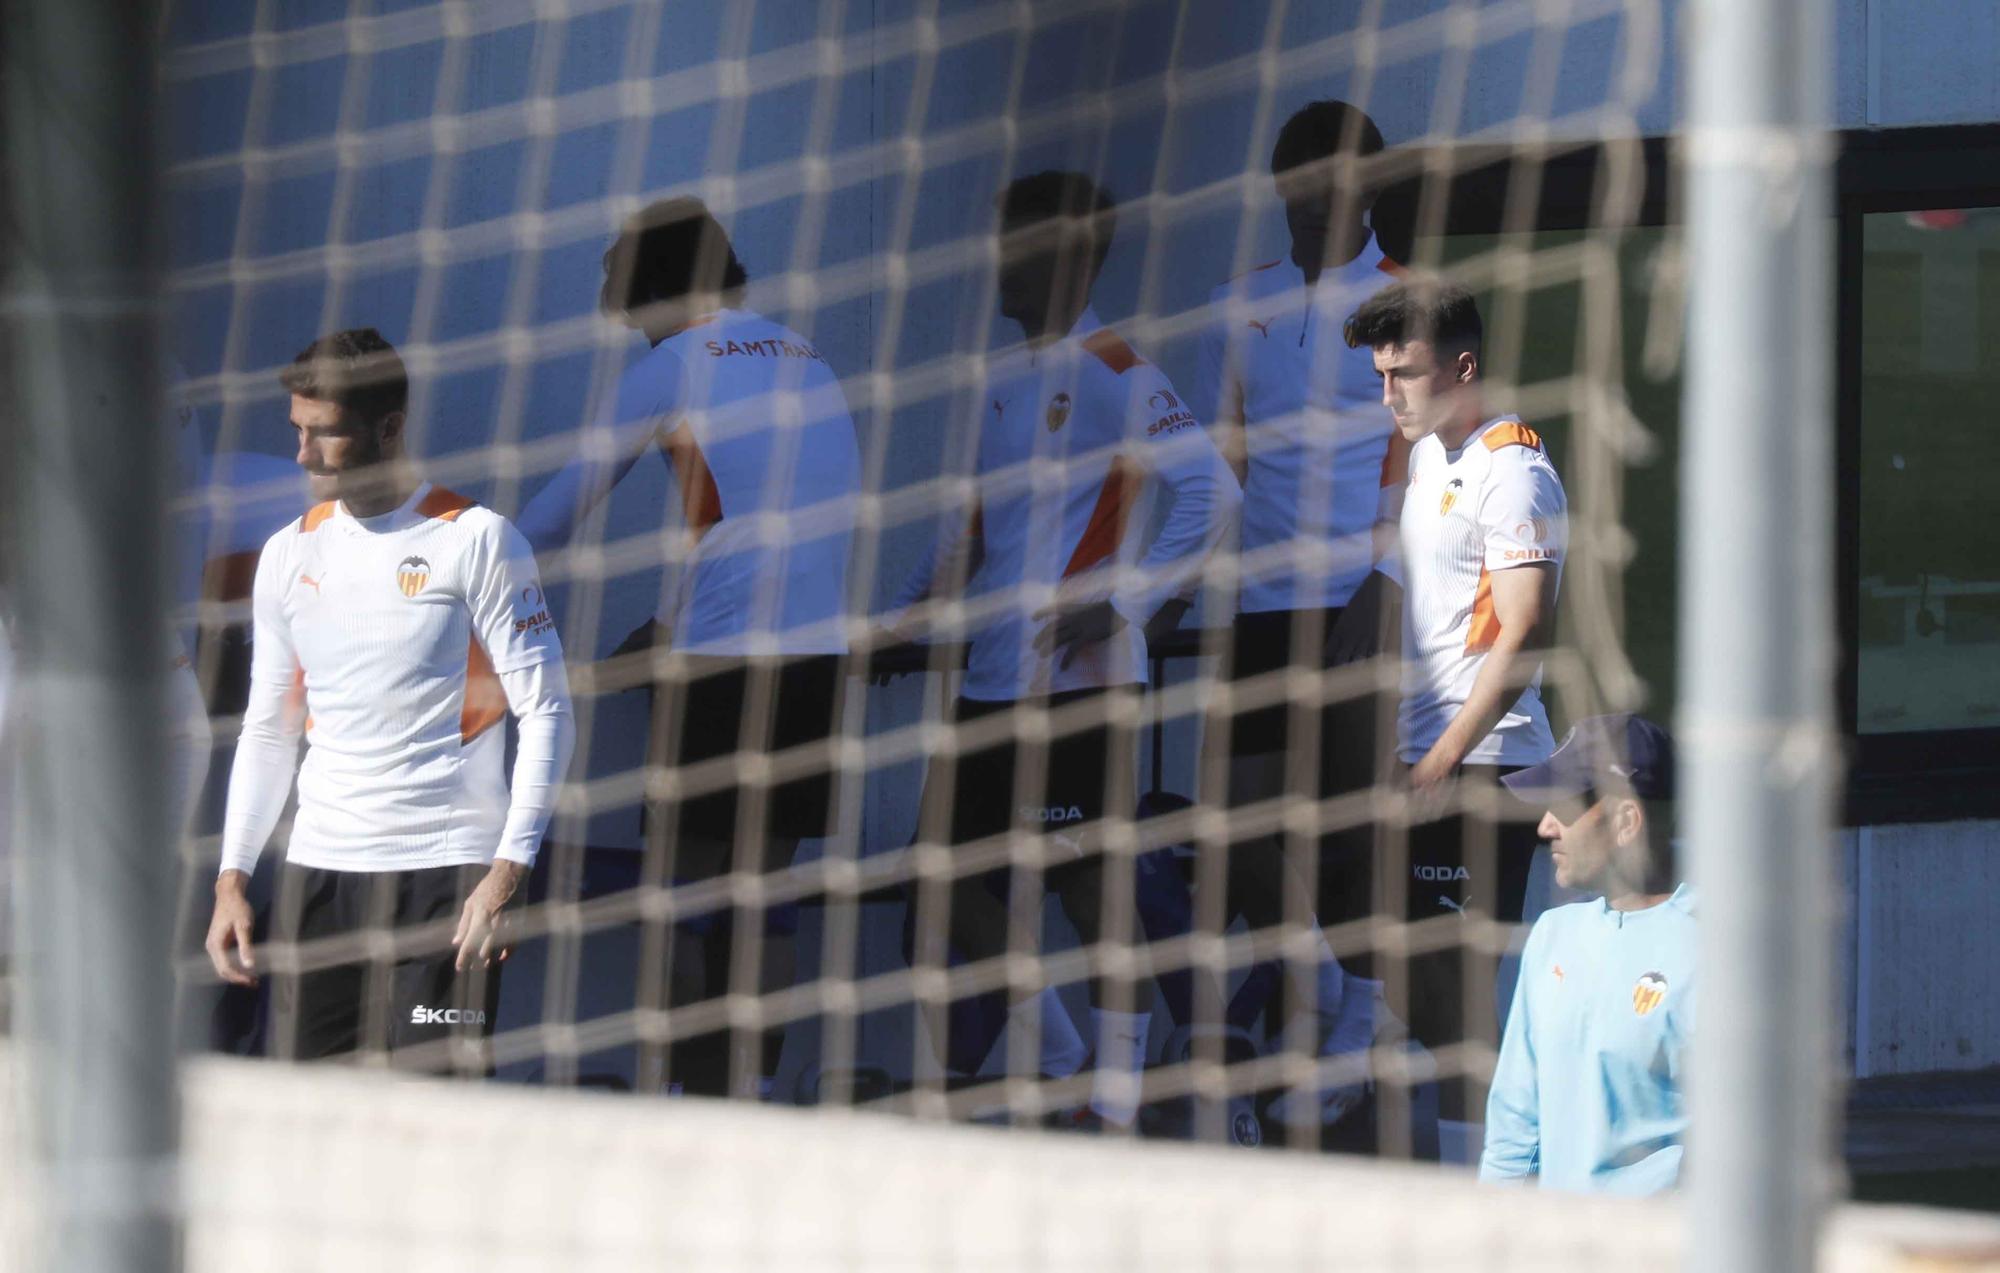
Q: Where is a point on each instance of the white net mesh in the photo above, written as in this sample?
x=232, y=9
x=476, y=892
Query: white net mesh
x=295, y=1170
x=802, y=860
x=452, y=175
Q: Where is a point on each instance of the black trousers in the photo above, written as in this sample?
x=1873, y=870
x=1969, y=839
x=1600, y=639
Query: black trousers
x=1056, y=789
x=407, y=1002
x=1462, y=867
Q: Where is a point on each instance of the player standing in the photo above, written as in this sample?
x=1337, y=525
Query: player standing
x=1297, y=413
x=1481, y=539
x=1071, y=427
x=1589, y=1093
x=754, y=426
x=395, y=625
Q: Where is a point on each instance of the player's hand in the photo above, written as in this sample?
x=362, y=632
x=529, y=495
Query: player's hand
x=1071, y=626
x=1367, y=622
x=228, y=943
x=482, y=926
x=1430, y=783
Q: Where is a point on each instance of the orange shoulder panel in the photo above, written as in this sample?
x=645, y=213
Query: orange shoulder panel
x=315, y=515
x=445, y=505
x=1112, y=350
x=1512, y=433
x=1389, y=265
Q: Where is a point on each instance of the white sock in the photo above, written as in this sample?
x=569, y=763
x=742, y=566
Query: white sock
x=1063, y=1051
x=1121, y=1060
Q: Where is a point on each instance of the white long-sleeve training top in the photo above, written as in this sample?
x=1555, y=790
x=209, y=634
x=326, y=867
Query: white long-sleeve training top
x=396, y=644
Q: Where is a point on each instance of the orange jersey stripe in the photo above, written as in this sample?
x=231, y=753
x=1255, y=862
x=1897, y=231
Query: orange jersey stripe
x=701, y=503
x=485, y=700
x=1485, y=629
x=295, y=697
x=316, y=517
x=1106, y=528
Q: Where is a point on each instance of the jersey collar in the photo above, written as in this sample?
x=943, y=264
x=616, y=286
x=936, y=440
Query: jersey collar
x=1681, y=899
x=1086, y=323
x=391, y=520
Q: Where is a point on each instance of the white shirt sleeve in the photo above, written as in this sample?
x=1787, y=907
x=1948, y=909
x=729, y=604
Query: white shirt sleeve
x=538, y=695
x=1523, y=515
x=1202, y=495
x=648, y=396
x=510, y=616
x=513, y=623
x=267, y=751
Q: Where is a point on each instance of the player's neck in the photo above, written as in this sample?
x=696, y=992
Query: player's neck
x=1045, y=325
x=384, y=489
x=1634, y=900
x=1455, y=434
x=1340, y=248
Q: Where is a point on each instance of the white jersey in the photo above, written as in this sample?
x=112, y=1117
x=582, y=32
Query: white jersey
x=395, y=630
x=1317, y=437
x=1493, y=504
x=1069, y=437
x=752, y=422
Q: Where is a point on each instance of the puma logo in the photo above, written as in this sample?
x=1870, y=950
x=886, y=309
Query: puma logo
x=1450, y=905
x=1263, y=328
x=310, y=582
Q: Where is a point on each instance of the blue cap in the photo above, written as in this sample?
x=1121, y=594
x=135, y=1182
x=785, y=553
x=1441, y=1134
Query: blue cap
x=1606, y=754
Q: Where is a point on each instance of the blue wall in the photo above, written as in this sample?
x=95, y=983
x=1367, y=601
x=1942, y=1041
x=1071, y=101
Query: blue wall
x=455, y=185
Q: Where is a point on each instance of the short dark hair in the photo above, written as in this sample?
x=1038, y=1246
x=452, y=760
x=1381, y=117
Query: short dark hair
x=667, y=250
x=1662, y=827
x=357, y=370
x=1322, y=130
x=1072, y=196
x=1429, y=309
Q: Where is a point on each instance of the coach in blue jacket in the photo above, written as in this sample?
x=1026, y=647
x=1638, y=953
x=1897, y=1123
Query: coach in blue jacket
x=1589, y=1094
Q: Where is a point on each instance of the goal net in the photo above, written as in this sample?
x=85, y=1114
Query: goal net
x=989, y=704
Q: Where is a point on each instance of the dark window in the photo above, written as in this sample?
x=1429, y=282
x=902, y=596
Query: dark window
x=1928, y=633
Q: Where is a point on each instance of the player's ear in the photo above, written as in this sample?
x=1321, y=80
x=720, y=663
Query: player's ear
x=390, y=428
x=1628, y=822
x=1468, y=367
